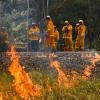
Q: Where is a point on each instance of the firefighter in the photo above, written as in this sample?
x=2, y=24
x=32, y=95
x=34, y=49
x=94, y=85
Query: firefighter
x=77, y=27
x=34, y=37
x=50, y=32
x=54, y=38
x=81, y=36
x=77, y=38
x=67, y=30
x=3, y=40
x=50, y=25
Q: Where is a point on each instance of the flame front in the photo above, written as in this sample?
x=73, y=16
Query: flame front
x=22, y=82
x=63, y=80
x=1, y=96
x=26, y=89
x=87, y=72
x=73, y=80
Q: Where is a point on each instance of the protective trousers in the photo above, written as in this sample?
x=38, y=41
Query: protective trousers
x=53, y=43
x=79, y=45
x=69, y=43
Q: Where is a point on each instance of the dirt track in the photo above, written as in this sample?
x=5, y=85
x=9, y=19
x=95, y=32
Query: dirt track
x=40, y=60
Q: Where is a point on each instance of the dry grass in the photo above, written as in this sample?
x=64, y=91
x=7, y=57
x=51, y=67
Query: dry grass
x=87, y=90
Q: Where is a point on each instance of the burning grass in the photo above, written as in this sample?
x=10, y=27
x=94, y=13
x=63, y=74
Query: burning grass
x=86, y=90
x=18, y=84
x=22, y=83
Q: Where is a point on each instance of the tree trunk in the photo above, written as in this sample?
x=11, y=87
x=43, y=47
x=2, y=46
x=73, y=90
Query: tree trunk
x=1, y=14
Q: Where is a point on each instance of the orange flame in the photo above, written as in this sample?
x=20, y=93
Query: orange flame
x=4, y=96
x=1, y=96
x=62, y=78
x=73, y=81
x=88, y=69
x=22, y=83
x=14, y=98
x=48, y=86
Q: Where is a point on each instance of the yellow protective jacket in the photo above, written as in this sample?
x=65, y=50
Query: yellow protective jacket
x=82, y=30
x=54, y=37
x=64, y=29
x=56, y=34
x=77, y=28
x=50, y=27
x=35, y=30
x=67, y=31
x=69, y=34
x=79, y=45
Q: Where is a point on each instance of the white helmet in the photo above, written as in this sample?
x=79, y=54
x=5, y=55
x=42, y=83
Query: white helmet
x=48, y=17
x=33, y=23
x=77, y=24
x=66, y=22
x=81, y=21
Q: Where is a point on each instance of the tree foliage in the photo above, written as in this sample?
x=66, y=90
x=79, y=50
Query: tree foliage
x=16, y=12
x=73, y=10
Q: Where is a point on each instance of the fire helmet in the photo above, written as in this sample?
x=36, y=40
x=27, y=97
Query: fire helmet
x=48, y=17
x=81, y=21
x=77, y=24
x=33, y=23
x=66, y=22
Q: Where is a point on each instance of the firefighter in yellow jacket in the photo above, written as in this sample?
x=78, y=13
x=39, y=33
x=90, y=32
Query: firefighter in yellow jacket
x=81, y=36
x=32, y=30
x=34, y=37
x=77, y=38
x=67, y=30
x=50, y=32
x=77, y=27
x=54, y=38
